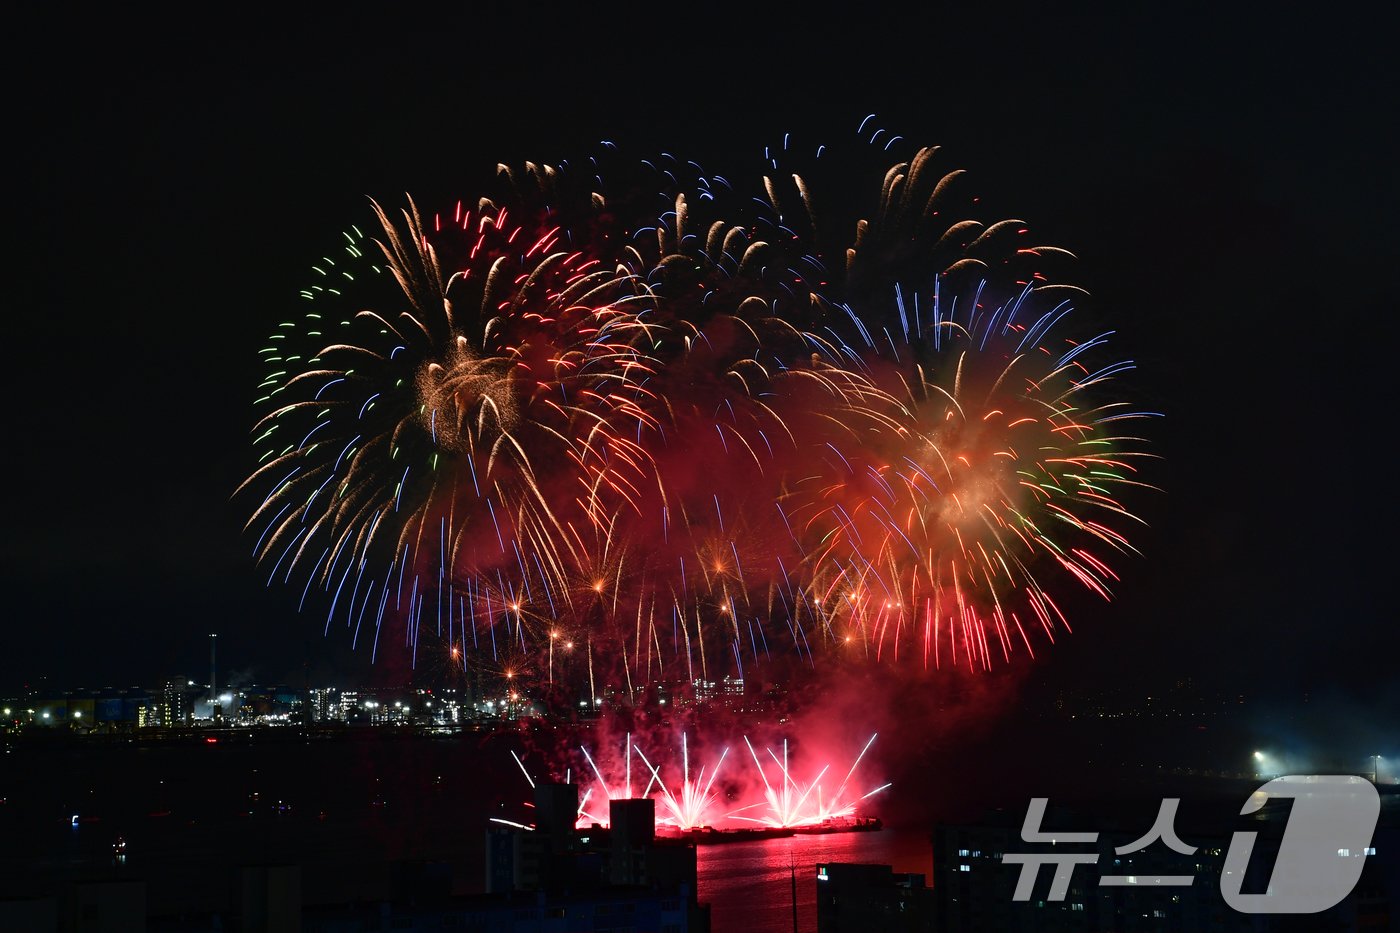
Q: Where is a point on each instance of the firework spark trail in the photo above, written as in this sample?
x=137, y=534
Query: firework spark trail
x=522, y=769
x=691, y=806
x=687, y=803
x=555, y=417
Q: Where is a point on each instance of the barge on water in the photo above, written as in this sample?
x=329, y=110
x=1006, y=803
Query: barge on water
x=709, y=835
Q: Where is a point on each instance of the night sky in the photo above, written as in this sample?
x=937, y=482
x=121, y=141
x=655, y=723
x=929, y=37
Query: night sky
x=1229, y=187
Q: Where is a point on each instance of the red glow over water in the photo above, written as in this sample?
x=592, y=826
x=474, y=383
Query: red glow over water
x=749, y=884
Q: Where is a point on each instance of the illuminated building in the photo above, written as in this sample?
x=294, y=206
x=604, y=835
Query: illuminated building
x=175, y=706
x=324, y=705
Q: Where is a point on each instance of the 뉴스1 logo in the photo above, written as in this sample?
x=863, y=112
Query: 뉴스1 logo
x=1331, y=814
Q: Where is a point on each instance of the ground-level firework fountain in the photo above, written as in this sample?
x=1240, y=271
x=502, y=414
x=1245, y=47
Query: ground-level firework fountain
x=719, y=797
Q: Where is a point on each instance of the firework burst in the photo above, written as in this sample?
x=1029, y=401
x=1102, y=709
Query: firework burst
x=662, y=430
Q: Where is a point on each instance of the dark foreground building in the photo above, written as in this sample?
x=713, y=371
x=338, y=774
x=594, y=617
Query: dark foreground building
x=554, y=878
x=853, y=898
x=551, y=878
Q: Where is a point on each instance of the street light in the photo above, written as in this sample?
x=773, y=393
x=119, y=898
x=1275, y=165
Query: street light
x=1376, y=769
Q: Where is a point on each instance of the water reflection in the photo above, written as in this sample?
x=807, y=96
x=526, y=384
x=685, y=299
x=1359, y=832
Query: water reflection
x=749, y=884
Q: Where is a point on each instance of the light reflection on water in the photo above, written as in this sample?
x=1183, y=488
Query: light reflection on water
x=749, y=884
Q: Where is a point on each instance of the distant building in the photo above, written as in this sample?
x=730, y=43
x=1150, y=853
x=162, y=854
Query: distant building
x=176, y=703
x=727, y=691
x=349, y=704
x=148, y=715
x=360, y=708
x=853, y=898
x=106, y=709
x=325, y=705
x=274, y=705
x=49, y=711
